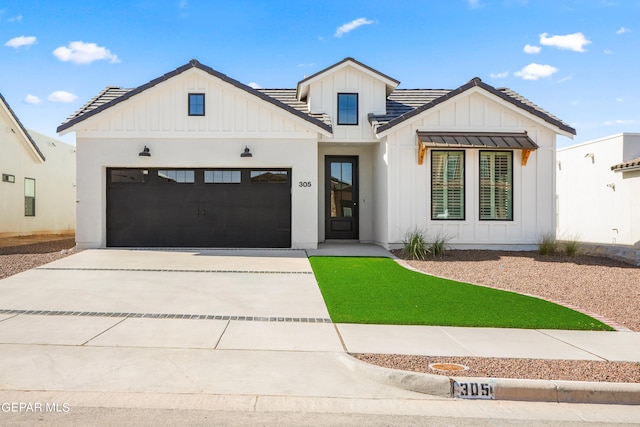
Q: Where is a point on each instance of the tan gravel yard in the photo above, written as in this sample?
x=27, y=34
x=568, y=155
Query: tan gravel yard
x=599, y=285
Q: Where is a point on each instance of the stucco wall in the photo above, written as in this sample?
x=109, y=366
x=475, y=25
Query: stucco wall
x=596, y=204
x=55, y=184
x=96, y=155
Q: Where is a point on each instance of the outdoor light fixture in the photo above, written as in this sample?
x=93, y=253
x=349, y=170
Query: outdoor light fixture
x=145, y=152
x=612, y=186
x=246, y=153
x=592, y=156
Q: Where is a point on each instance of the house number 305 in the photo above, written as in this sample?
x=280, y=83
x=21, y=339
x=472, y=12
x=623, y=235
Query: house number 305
x=304, y=184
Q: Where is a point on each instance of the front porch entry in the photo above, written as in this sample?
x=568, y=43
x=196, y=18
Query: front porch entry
x=341, y=197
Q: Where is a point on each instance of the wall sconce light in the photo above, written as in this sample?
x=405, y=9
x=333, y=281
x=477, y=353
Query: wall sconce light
x=612, y=186
x=592, y=156
x=145, y=152
x=246, y=153
x=559, y=165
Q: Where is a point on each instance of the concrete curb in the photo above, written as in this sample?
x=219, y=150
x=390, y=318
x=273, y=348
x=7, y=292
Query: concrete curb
x=435, y=385
x=503, y=388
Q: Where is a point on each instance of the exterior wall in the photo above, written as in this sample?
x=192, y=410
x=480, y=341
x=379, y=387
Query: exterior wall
x=158, y=119
x=55, y=184
x=409, y=184
x=367, y=198
x=323, y=98
x=596, y=204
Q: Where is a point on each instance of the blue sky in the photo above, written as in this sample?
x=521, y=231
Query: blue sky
x=578, y=59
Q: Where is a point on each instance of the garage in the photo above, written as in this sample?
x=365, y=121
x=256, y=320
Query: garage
x=190, y=207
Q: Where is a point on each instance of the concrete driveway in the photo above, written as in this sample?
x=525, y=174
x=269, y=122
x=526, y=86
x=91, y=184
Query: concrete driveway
x=223, y=299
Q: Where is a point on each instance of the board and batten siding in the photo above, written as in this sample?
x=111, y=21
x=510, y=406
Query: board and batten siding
x=163, y=109
x=409, y=184
x=323, y=98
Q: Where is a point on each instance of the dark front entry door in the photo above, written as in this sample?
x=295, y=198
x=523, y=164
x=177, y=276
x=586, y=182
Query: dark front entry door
x=341, y=197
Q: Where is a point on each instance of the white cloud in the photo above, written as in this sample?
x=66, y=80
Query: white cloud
x=254, y=85
x=531, y=49
x=32, y=99
x=80, y=52
x=535, y=71
x=608, y=52
x=565, y=79
x=15, y=19
x=620, y=122
x=350, y=26
x=183, y=4
x=499, y=75
x=61, y=96
x=475, y=4
x=623, y=30
x=575, y=41
x=21, y=41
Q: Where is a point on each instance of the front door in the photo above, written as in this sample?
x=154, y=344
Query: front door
x=341, y=197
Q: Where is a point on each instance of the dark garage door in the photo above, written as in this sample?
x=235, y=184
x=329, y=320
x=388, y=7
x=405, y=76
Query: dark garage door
x=234, y=208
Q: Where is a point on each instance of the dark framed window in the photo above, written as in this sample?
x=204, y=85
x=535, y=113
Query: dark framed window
x=29, y=197
x=196, y=104
x=8, y=178
x=447, y=185
x=496, y=185
x=180, y=176
x=129, y=175
x=222, y=176
x=347, y=108
x=269, y=177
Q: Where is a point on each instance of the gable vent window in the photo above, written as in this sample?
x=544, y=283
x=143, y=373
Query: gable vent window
x=196, y=104
x=347, y=108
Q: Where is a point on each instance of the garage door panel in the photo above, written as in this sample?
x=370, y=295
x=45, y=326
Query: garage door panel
x=161, y=213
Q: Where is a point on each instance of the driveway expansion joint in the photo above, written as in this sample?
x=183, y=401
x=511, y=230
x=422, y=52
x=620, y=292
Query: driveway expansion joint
x=167, y=316
x=162, y=270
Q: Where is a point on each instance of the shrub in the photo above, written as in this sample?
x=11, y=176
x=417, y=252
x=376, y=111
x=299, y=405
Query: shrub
x=572, y=246
x=547, y=244
x=415, y=245
x=440, y=244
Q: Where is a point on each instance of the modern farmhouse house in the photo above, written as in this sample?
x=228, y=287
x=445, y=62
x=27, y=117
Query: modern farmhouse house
x=195, y=158
x=37, y=191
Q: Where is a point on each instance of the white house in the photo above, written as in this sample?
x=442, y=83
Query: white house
x=599, y=190
x=37, y=191
x=195, y=158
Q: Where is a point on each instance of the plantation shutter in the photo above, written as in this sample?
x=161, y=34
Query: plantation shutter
x=447, y=185
x=496, y=185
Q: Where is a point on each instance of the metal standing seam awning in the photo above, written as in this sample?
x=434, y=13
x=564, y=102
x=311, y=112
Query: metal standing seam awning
x=497, y=140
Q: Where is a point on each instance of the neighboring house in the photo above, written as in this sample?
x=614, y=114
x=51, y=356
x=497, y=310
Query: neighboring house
x=599, y=190
x=195, y=158
x=37, y=191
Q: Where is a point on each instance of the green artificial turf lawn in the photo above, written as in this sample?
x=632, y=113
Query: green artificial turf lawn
x=379, y=291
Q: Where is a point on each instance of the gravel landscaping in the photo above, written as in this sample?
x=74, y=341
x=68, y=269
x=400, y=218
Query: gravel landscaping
x=21, y=254
x=597, y=285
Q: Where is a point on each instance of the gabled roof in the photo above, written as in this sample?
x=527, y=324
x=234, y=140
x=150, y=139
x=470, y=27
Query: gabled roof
x=21, y=128
x=112, y=96
x=401, y=104
x=303, y=85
